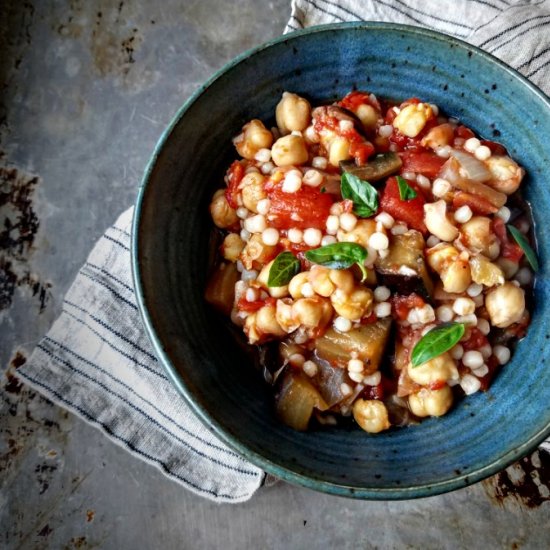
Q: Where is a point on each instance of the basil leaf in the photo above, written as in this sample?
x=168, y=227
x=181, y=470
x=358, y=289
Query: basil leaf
x=521, y=239
x=363, y=195
x=339, y=256
x=406, y=192
x=285, y=266
x=437, y=341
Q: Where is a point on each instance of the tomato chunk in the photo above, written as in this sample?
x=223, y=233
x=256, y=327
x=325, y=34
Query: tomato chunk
x=410, y=211
x=402, y=304
x=509, y=249
x=478, y=205
x=307, y=207
x=426, y=163
x=356, y=98
x=235, y=174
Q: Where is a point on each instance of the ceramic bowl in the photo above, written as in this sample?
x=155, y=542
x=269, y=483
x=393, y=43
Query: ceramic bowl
x=487, y=431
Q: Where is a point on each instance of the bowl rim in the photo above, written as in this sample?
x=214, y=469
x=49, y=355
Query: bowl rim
x=283, y=472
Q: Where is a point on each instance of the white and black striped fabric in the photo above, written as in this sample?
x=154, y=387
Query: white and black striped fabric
x=97, y=361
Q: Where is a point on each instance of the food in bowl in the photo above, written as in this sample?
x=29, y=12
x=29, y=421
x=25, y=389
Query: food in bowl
x=378, y=255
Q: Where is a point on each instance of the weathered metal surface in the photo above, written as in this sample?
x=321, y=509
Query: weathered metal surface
x=85, y=91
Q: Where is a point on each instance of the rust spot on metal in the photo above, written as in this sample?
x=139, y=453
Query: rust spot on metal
x=79, y=542
x=13, y=385
x=90, y=515
x=525, y=483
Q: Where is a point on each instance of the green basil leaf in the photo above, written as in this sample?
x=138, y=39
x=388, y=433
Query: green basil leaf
x=406, y=192
x=437, y=341
x=339, y=256
x=285, y=266
x=521, y=239
x=363, y=195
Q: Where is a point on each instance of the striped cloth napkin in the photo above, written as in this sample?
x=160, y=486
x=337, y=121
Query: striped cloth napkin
x=96, y=360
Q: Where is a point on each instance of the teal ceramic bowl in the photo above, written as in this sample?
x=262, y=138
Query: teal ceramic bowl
x=482, y=435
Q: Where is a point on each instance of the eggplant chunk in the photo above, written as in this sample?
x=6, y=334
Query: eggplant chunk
x=296, y=400
x=220, y=290
x=404, y=268
x=376, y=169
x=367, y=341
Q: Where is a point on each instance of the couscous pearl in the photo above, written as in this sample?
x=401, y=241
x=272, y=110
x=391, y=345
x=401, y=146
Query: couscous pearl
x=263, y=155
x=470, y=319
x=409, y=175
x=313, y=178
x=434, y=108
x=440, y=187
x=336, y=209
x=431, y=241
x=444, y=314
x=470, y=384
x=385, y=219
x=270, y=236
x=463, y=214
x=382, y=293
x=483, y=326
x=504, y=214
x=332, y=224
x=471, y=144
x=296, y=133
x=251, y=170
x=311, y=135
x=249, y=275
x=251, y=294
x=443, y=152
x=457, y=352
x=307, y=290
x=472, y=359
x=478, y=300
x=482, y=371
x=328, y=239
x=482, y=152
x=502, y=354
x=342, y=324
x=240, y=266
x=312, y=236
x=348, y=221
x=474, y=289
x=458, y=142
x=242, y=212
x=319, y=162
x=255, y=224
x=245, y=234
x=383, y=309
x=267, y=167
x=464, y=306
x=385, y=131
x=379, y=241
x=427, y=329
x=355, y=365
x=524, y=276
x=523, y=225
x=486, y=351
x=296, y=360
x=295, y=235
x=412, y=317
x=310, y=368
x=356, y=376
x=423, y=181
x=346, y=389
x=291, y=183
x=373, y=379
x=263, y=206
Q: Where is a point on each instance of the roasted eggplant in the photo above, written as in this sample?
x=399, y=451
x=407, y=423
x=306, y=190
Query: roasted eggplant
x=378, y=168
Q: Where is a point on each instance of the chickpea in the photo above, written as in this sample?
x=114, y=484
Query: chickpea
x=360, y=234
x=371, y=415
x=505, y=304
x=266, y=321
x=222, y=214
x=485, y=272
x=368, y=116
x=507, y=175
x=338, y=150
x=232, y=247
x=296, y=284
x=289, y=150
x=440, y=368
x=292, y=113
x=252, y=190
x=456, y=278
x=274, y=291
x=319, y=277
x=438, y=136
x=354, y=305
x=307, y=312
x=251, y=329
x=255, y=136
x=342, y=279
x=256, y=252
x=412, y=119
x=431, y=402
x=283, y=314
x=440, y=256
x=477, y=235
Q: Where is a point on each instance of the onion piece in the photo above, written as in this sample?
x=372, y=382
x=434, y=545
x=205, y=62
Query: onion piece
x=450, y=172
x=474, y=168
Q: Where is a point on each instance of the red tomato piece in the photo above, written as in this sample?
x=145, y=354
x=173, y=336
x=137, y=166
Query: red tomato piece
x=496, y=148
x=374, y=392
x=426, y=163
x=307, y=207
x=410, y=211
x=356, y=98
x=361, y=151
x=235, y=174
x=509, y=249
x=478, y=204
x=402, y=304
x=250, y=307
x=476, y=340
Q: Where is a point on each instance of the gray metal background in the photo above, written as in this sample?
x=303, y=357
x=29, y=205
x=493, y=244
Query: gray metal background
x=86, y=88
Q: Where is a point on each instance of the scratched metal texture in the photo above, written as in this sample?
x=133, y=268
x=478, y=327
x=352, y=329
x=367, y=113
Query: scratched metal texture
x=86, y=88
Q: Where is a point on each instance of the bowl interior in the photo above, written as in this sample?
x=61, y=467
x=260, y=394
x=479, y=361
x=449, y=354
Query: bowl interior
x=488, y=430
